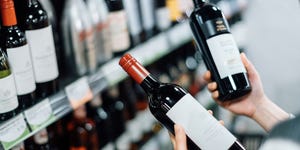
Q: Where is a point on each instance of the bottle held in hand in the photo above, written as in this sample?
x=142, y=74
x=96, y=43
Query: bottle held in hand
x=219, y=50
x=171, y=104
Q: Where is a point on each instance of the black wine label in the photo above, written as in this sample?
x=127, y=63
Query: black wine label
x=214, y=27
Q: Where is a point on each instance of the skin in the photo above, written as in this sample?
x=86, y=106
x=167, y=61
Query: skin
x=255, y=105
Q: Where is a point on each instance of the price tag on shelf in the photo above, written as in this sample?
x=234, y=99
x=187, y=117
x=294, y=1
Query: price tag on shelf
x=79, y=92
x=40, y=115
x=13, y=131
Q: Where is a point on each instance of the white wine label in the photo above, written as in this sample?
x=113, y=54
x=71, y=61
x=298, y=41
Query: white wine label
x=12, y=131
x=41, y=137
x=42, y=49
x=118, y=30
x=147, y=13
x=79, y=92
x=163, y=18
x=39, y=114
x=200, y=126
x=8, y=94
x=226, y=55
x=20, y=61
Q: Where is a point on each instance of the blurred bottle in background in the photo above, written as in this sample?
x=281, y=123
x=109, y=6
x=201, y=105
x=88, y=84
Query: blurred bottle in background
x=79, y=39
x=82, y=133
x=134, y=21
x=14, y=44
x=119, y=35
x=33, y=19
x=39, y=141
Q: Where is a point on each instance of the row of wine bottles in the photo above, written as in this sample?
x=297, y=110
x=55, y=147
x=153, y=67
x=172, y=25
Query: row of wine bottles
x=29, y=68
x=119, y=113
x=41, y=45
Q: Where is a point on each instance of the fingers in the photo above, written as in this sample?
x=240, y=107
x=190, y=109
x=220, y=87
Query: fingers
x=207, y=76
x=210, y=111
x=212, y=86
x=222, y=122
x=180, y=138
x=172, y=137
x=215, y=95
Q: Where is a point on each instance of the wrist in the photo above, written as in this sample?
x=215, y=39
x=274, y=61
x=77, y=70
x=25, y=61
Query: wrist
x=267, y=114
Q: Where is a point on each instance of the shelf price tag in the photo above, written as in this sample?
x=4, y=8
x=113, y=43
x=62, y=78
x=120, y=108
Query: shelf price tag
x=40, y=115
x=79, y=92
x=13, y=131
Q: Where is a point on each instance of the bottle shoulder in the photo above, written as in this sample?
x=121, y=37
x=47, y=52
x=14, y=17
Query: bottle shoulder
x=205, y=13
x=12, y=37
x=35, y=18
x=166, y=93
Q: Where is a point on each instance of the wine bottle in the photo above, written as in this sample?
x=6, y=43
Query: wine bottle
x=134, y=21
x=34, y=21
x=40, y=141
x=120, y=40
x=175, y=13
x=15, y=45
x=94, y=10
x=82, y=131
x=114, y=106
x=147, y=15
x=162, y=15
x=170, y=104
x=8, y=91
x=219, y=50
x=103, y=121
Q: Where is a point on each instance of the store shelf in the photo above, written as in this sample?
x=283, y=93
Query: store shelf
x=82, y=90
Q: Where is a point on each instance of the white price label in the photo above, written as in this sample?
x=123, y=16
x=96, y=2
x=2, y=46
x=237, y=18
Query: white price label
x=79, y=92
x=12, y=131
x=40, y=114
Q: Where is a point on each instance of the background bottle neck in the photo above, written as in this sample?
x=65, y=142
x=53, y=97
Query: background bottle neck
x=8, y=13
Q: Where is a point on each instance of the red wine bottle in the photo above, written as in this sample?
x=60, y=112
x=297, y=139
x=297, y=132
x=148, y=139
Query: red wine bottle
x=40, y=141
x=34, y=21
x=219, y=50
x=8, y=93
x=120, y=39
x=15, y=45
x=170, y=104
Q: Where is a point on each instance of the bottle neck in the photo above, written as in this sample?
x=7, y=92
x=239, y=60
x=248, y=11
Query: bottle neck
x=199, y=3
x=8, y=13
x=149, y=84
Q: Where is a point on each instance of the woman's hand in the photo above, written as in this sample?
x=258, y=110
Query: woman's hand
x=255, y=105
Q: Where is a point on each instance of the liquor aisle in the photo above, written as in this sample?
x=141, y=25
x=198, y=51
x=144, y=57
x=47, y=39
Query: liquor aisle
x=75, y=95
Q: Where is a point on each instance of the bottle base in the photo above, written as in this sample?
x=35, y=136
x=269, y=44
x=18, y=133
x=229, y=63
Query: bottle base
x=232, y=95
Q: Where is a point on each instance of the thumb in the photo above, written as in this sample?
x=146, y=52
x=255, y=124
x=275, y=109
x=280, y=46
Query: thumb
x=180, y=138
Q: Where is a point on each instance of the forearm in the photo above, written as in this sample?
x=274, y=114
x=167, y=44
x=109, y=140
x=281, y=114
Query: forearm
x=269, y=114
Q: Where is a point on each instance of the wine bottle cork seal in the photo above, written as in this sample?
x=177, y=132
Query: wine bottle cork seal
x=8, y=13
x=133, y=68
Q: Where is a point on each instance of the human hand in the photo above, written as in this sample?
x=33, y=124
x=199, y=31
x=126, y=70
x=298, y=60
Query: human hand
x=179, y=140
x=255, y=104
x=247, y=104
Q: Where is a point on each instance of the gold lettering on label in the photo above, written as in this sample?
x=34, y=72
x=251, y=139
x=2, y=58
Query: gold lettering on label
x=220, y=26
